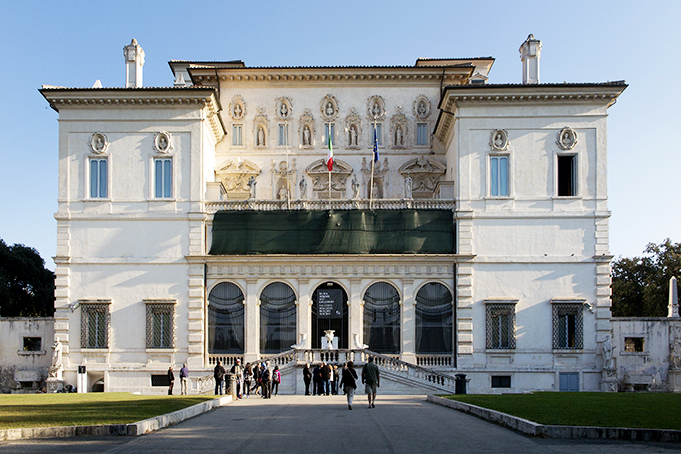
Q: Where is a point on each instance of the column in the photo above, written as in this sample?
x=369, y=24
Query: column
x=408, y=321
x=251, y=322
x=304, y=322
x=355, y=313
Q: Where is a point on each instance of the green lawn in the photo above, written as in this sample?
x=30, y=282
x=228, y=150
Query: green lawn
x=44, y=410
x=632, y=410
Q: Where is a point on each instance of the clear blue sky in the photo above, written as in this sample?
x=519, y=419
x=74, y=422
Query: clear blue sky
x=75, y=43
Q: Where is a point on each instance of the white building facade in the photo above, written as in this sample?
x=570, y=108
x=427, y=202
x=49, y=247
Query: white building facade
x=200, y=222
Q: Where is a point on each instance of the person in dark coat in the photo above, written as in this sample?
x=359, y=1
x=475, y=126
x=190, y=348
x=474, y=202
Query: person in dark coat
x=317, y=381
x=219, y=375
x=171, y=380
x=307, y=378
x=348, y=382
x=326, y=376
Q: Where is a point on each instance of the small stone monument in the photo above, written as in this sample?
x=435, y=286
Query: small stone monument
x=609, y=374
x=673, y=298
x=55, y=381
x=329, y=335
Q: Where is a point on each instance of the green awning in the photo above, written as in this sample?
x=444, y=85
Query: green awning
x=333, y=232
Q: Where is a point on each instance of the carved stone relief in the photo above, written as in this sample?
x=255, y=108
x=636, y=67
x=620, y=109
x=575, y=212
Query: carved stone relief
x=99, y=143
x=306, y=130
x=567, y=138
x=260, y=130
x=381, y=179
x=376, y=108
x=424, y=172
x=284, y=109
x=329, y=107
x=421, y=107
x=398, y=129
x=498, y=140
x=162, y=142
x=319, y=174
x=236, y=176
x=237, y=108
x=284, y=179
x=353, y=127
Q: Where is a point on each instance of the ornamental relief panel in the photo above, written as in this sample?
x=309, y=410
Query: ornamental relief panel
x=235, y=176
x=305, y=271
x=162, y=142
x=421, y=107
x=353, y=128
x=284, y=177
x=398, y=130
x=329, y=107
x=319, y=173
x=283, y=108
x=99, y=143
x=499, y=140
x=306, y=130
x=376, y=108
x=567, y=138
x=261, y=131
x=237, y=108
x=421, y=175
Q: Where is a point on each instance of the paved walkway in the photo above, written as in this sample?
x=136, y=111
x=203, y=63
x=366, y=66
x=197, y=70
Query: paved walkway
x=312, y=425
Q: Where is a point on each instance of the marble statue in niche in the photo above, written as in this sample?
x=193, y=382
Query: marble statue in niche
x=261, y=136
x=283, y=110
x=355, y=187
x=306, y=136
x=251, y=187
x=352, y=136
x=329, y=109
x=399, y=137
x=303, y=188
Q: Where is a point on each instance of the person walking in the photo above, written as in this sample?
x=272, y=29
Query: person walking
x=276, y=379
x=372, y=380
x=184, y=379
x=307, y=378
x=171, y=380
x=348, y=382
x=219, y=376
x=248, y=378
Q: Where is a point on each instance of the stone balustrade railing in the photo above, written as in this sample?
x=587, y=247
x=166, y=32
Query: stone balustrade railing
x=412, y=371
x=227, y=360
x=341, y=204
x=434, y=360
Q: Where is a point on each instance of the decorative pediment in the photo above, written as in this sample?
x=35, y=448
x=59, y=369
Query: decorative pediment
x=319, y=174
x=235, y=175
x=421, y=176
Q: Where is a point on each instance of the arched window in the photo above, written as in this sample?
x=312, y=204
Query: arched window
x=382, y=318
x=434, y=315
x=277, y=318
x=226, y=319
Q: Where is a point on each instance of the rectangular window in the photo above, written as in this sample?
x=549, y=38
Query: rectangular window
x=422, y=134
x=283, y=135
x=501, y=381
x=160, y=324
x=568, y=382
x=98, y=179
x=498, y=175
x=633, y=344
x=236, y=135
x=567, y=176
x=33, y=344
x=568, y=330
x=500, y=324
x=94, y=327
x=379, y=134
x=163, y=169
x=332, y=126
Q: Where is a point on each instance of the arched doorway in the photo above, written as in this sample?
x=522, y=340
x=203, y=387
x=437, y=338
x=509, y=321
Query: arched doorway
x=434, y=319
x=382, y=318
x=330, y=318
x=277, y=318
x=226, y=319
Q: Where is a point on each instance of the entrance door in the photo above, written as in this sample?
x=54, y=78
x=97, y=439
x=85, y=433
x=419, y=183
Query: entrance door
x=569, y=381
x=326, y=316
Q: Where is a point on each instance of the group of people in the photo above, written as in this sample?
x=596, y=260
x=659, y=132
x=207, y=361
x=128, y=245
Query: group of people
x=254, y=378
x=325, y=380
x=184, y=380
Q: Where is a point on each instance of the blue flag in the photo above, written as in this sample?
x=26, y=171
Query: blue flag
x=375, y=145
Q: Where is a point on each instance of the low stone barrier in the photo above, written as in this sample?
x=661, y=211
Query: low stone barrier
x=133, y=429
x=549, y=431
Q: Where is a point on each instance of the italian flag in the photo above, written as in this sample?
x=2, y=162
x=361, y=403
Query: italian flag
x=329, y=157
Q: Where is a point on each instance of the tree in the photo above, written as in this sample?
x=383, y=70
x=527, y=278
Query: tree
x=640, y=285
x=26, y=286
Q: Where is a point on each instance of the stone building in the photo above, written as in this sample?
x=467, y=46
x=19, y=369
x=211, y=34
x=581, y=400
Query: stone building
x=25, y=353
x=463, y=227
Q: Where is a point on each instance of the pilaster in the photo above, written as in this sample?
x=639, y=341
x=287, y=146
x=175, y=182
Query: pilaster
x=196, y=319
x=408, y=321
x=355, y=313
x=252, y=319
x=304, y=327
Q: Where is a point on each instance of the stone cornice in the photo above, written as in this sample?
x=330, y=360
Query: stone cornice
x=196, y=97
x=518, y=94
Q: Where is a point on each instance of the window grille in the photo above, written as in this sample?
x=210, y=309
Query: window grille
x=277, y=318
x=94, y=327
x=501, y=325
x=226, y=319
x=160, y=325
x=434, y=315
x=568, y=326
x=382, y=318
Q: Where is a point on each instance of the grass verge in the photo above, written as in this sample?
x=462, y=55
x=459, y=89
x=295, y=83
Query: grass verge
x=48, y=410
x=631, y=410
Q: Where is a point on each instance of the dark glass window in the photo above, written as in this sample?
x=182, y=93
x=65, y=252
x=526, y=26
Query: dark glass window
x=226, y=319
x=501, y=381
x=277, y=318
x=382, y=318
x=567, y=176
x=33, y=344
x=434, y=316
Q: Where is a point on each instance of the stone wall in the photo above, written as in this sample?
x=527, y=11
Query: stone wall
x=25, y=353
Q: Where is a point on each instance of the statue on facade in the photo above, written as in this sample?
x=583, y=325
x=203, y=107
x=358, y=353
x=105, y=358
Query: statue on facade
x=283, y=194
x=283, y=110
x=306, y=136
x=376, y=110
x=408, y=187
x=261, y=137
x=353, y=136
x=608, y=353
x=355, y=187
x=303, y=188
x=329, y=335
x=251, y=187
x=329, y=109
x=57, y=365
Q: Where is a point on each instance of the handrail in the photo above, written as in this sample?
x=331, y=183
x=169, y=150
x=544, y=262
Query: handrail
x=323, y=204
x=412, y=370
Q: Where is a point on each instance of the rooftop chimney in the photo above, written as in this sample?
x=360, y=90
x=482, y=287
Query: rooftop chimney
x=134, y=61
x=530, y=53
